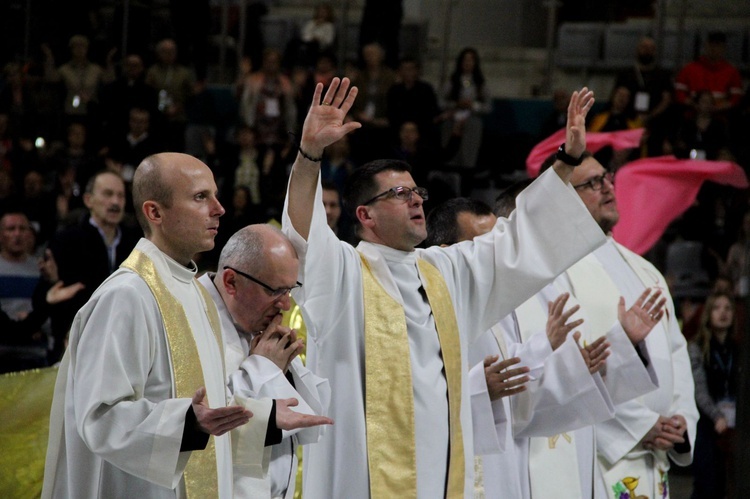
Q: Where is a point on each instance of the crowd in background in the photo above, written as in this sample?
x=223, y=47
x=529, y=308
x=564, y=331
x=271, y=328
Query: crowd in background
x=68, y=115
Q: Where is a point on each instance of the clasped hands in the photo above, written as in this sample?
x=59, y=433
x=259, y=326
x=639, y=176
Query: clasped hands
x=277, y=343
x=666, y=433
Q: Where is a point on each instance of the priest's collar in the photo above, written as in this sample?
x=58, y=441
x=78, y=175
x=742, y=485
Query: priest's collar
x=180, y=271
x=389, y=254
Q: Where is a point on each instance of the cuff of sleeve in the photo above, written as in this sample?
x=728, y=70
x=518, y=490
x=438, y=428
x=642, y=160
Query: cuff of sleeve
x=273, y=433
x=192, y=437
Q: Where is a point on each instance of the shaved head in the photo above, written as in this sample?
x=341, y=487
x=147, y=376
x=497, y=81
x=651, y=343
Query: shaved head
x=149, y=185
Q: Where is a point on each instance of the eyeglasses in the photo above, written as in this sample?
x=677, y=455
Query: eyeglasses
x=401, y=193
x=596, y=183
x=276, y=293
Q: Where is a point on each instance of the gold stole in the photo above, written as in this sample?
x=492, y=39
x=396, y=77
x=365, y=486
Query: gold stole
x=201, y=477
x=389, y=391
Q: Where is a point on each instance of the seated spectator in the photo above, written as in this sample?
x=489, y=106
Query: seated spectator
x=135, y=144
x=342, y=227
x=650, y=86
x=240, y=212
x=92, y=249
x=371, y=106
x=242, y=164
x=714, y=356
x=81, y=78
x=337, y=164
x=19, y=275
x=739, y=131
x=267, y=102
x=16, y=97
x=126, y=92
x=76, y=153
x=174, y=85
x=702, y=134
x=39, y=206
x=412, y=99
x=619, y=115
x=465, y=101
x=711, y=73
x=26, y=331
x=428, y=161
x=559, y=115
x=738, y=259
x=303, y=86
x=651, y=92
x=325, y=70
x=317, y=36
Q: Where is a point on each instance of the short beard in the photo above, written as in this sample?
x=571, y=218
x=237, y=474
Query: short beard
x=607, y=225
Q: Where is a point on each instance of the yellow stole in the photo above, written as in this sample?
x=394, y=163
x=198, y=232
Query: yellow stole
x=201, y=478
x=389, y=391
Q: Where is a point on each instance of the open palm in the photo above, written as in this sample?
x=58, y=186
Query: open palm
x=324, y=123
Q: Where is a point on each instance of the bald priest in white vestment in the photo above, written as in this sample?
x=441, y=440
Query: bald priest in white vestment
x=140, y=401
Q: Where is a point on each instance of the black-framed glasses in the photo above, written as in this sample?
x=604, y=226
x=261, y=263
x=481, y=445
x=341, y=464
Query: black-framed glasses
x=275, y=292
x=596, y=183
x=401, y=193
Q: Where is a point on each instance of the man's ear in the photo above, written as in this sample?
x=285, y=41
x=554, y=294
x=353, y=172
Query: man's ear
x=363, y=216
x=87, y=200
x=229, y=280
x=152, y=212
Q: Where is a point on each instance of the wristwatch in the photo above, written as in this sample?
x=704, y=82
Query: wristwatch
x=567, y=158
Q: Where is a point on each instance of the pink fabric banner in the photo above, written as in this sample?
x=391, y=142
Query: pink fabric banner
x=652, y=192
x=624, y=139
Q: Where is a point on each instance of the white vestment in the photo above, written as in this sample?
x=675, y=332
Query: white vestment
x=254, y=376
x=487, y=278
x=568, y=461
x=561, y=400
x=115, y=428
x=597, y=282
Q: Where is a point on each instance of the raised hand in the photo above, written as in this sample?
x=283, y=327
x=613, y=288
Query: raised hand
x=594, y=355
x=220, y=420
x=575, y=128
x=287, y=419
x=558, y=326
x=641, y=318
x=501, y=381
x=324, y=123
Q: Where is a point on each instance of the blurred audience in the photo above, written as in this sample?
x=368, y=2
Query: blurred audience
x=712, y=73
x=466, y=99
x=714, y=356
x=174, y=84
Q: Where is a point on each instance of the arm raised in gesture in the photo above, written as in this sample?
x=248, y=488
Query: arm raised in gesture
x=323, y=126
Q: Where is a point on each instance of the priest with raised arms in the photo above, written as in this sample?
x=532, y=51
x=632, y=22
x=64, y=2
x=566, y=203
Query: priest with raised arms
x=389, y=324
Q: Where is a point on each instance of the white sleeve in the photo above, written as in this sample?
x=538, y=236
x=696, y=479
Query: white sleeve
x=549, y=231
x=567, y=397
x=258, y=377
x=489, y=418
x=326, y=269
x=121, y=348
x=627, y=378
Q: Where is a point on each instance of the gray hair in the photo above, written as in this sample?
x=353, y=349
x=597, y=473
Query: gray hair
x=245, y=250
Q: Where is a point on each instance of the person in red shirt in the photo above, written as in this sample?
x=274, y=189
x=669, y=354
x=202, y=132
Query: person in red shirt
x=711, y=72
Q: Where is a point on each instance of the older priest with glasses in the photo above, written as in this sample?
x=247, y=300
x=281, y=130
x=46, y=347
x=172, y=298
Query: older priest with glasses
x=388, y=325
